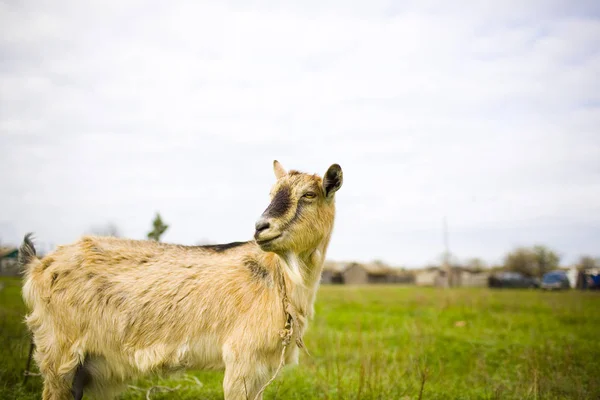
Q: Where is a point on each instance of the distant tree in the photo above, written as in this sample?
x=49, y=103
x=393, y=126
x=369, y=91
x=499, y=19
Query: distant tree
x=476, y=264
x=587, y=262
x=534, y=262
x=497, y=268
x=546, y=259
x=521, y=260
x=158, y=228
x=110, y=229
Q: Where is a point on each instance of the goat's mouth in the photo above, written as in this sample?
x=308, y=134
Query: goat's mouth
x=262, y=242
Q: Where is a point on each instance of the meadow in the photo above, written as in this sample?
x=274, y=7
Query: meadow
x=394, y=342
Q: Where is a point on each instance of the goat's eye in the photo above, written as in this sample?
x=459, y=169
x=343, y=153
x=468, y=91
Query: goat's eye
x=309, y=195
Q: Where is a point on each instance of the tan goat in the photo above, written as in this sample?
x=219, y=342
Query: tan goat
x=106, y=310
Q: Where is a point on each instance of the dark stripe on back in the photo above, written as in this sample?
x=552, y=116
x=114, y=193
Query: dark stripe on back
x=219, y=248
x=280, y=204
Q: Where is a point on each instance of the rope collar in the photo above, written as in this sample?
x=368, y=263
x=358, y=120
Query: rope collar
x=291, y=324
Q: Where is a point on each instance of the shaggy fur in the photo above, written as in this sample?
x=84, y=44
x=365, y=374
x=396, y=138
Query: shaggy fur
x=107, y=310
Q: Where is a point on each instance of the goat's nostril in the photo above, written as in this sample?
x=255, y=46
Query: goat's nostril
x=262, y=225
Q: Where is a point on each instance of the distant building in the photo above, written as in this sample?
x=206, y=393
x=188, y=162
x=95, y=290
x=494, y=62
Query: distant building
x=354, y=273
x=402, y=276
x=470, y=278
x=572, y=276
x=459, y=277
x=430, y=276
x=332, y=272
x=360, y=274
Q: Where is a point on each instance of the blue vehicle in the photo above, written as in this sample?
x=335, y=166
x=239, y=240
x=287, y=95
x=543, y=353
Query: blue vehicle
x=555, y=280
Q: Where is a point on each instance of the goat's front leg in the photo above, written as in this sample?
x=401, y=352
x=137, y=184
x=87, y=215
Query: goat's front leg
x=244, y=377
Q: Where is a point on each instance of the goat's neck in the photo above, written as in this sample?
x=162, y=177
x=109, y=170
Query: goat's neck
x=308, y=265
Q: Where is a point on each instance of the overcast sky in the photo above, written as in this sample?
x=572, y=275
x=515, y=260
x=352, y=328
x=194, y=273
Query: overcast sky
x=487, y=114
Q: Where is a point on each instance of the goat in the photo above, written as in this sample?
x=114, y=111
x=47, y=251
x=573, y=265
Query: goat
x=105, y=310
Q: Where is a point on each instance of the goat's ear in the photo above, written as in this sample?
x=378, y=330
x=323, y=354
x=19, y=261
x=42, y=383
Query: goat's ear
x=278, y=169
x=333, y=180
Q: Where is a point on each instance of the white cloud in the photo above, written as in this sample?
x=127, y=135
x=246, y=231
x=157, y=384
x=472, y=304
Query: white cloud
x=485, y=113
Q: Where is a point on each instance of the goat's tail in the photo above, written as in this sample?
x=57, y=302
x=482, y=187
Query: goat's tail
x=28, y=262
x=27, y=253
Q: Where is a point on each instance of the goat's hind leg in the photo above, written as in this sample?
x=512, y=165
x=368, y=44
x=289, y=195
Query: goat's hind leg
x=57, y=386
x=58, y=373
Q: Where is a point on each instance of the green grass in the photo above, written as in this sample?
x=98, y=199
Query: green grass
x=391, y=342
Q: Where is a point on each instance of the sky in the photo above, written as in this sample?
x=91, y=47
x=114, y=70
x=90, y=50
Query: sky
x=486, y=114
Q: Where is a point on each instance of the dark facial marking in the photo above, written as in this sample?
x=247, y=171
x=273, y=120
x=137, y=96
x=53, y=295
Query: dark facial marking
x=219, y=248
x=256, y=269
x=81, y=379
x=298, y=211
x=280, y=204
x=297, y=214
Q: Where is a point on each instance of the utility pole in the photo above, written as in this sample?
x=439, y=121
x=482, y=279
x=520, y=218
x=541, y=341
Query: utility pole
x=446, y=260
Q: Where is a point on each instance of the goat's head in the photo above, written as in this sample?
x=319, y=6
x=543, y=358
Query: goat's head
x=301, y=212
